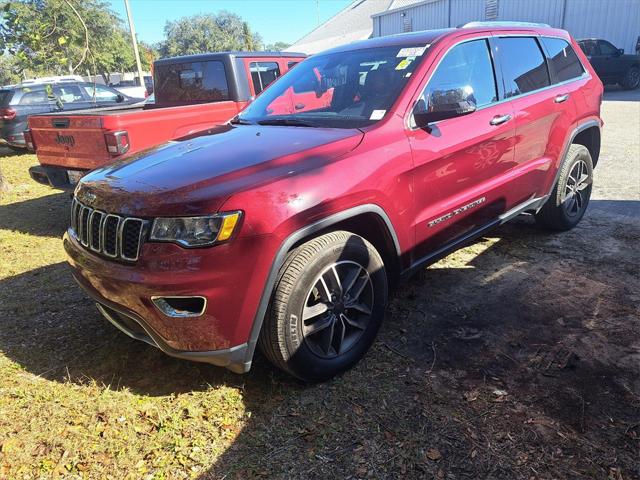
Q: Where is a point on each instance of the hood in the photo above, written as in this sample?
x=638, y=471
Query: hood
x=196, y=174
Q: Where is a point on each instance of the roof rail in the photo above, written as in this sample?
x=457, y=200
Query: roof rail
x=503, y=24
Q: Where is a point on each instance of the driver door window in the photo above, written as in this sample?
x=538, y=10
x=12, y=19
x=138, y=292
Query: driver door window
x=466, y=66
x=101, y=94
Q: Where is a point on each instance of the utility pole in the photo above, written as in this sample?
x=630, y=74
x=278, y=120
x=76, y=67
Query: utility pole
x=135, y=43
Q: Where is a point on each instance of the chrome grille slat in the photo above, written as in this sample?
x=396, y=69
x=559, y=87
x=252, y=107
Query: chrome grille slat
x=108, y=234
x=96, y=217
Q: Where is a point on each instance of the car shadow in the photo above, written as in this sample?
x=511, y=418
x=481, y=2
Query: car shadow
x=499, y=316
x=7, y=152
x=46, y=216
x=615, y=93
x=628, y=208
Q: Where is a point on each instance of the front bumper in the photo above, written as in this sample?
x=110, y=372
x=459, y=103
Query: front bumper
x=220, y=336
x=234, y=358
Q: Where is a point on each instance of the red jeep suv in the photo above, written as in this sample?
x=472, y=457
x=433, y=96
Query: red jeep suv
x=286, y=227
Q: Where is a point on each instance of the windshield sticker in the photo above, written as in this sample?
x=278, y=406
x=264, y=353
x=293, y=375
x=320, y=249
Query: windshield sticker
x=411, y=51
x=407, y=75
x=405, y=63
x=377, y=114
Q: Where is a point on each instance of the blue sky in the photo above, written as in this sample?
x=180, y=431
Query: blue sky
x=275, y=20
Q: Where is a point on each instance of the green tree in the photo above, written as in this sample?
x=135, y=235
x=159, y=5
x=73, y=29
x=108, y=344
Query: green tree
x=64, y=36
x=9, y=70
x=277, y=46
x=208, y=33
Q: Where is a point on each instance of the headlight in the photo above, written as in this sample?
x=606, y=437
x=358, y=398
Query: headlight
x=196, y=231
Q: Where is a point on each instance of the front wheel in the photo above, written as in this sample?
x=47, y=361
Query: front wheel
x=631, y=80
x=570, y=197
x=327, y=307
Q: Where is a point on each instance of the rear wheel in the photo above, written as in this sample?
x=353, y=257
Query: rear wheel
x=327, y=307
x=631, y=80
x=570, y=197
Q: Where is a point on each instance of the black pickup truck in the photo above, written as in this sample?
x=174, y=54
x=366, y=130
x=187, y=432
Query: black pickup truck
x=611, y=64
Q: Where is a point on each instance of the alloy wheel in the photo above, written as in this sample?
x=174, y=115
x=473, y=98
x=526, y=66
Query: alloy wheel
x=337, y=309
x=576, y=195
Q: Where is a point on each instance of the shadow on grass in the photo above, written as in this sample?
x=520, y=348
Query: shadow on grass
x=46, y=216
x=8, y=152
x=506, y=319
x=53, y=330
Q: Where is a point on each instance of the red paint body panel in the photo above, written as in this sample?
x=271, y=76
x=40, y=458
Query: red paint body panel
x=286, y=178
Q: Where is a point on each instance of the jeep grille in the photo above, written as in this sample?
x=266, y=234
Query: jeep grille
x=113, y=236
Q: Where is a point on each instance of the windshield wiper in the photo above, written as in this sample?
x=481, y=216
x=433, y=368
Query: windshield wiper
x=240, y=121
x=288, y=122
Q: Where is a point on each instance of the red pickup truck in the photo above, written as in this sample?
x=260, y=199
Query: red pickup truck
x=192, y=93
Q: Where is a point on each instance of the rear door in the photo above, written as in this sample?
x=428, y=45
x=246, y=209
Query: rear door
x=461, y=164
x=30, y=101
x=544, y=113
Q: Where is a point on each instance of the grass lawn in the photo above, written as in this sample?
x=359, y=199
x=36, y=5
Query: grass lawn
x=484, y=368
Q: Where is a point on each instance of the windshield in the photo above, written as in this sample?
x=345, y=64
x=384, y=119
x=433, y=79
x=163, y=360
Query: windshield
x=343, y=90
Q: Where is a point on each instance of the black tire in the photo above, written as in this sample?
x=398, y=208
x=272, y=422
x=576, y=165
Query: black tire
x=566, y=206
x=288, y=340
x=631, y=79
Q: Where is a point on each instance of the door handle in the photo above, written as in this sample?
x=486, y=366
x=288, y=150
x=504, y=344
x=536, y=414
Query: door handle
x=500, y=119
x=299, y=106
x=561, y=98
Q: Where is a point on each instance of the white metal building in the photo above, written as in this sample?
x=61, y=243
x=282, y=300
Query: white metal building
x=615, y=20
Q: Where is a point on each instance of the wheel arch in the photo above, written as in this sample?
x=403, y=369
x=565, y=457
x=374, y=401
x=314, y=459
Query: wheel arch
x=589, y=137
x=380, y=232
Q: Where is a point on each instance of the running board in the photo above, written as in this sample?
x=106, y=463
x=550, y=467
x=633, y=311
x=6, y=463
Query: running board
x=533, y=204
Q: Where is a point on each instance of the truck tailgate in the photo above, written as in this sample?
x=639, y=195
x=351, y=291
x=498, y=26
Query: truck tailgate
x=69, y=141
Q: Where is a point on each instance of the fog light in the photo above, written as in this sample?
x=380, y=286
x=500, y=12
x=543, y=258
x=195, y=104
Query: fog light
x=181, y=306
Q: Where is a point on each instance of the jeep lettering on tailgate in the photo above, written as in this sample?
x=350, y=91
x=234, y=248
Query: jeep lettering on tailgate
x=67, y=140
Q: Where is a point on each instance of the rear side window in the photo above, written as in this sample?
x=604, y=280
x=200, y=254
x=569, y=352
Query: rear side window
x=34, y=98
x=465, y=65
x=589, y=47
x=606, y=48
x=193, y=82
x=262, y=74
x=563, y=61
x=523, y=66
x=5, y=97
x=290, y=65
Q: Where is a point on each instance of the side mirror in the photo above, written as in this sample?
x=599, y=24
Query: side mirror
x=620, y=52
x=119, y=98
x=444, y=104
